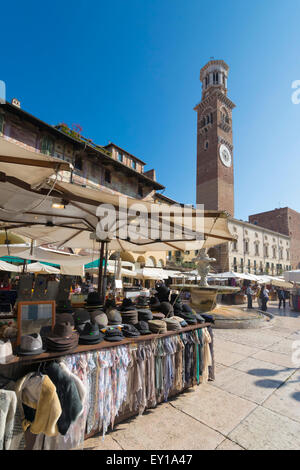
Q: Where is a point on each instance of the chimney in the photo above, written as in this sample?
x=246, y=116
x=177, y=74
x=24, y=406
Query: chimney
x=16, y=102
x=151, y=174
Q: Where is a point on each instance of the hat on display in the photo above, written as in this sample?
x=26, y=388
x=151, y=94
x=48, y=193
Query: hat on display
x=172, y=325
x=63, y=338
x=144, y=314
x=143, y=327
x=129, y=331
x=6, y=352
x=154, y=302
x=188, y=317
x=114, y=317
x=130, y=316
x=127, y=304
x=157, y=326
x=158, y=316
x=64, y=307
x=64, y=318
x=30, y=345
x=81, y=316
x=91, y=334
x=142, y=301
x=99, y=317
x=163, y=293
x=207, y=318
x=109, y=303
x=199, y=318
x=93, y=299
x=113, y=334
x=166, y=308
x=187, y=308
x=181, y=321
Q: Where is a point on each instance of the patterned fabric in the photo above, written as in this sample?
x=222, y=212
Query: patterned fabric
x=128, y=378
x=8, y=406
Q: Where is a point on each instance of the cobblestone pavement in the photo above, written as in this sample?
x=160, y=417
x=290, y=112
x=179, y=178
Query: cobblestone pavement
x=254, y=403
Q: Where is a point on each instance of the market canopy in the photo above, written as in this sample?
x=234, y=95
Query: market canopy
x=18, y=163
x=40, y=268
x=292, y=276
x=68, y=217
x=4, y=266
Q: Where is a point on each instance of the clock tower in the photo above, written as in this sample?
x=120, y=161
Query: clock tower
x=214, y=140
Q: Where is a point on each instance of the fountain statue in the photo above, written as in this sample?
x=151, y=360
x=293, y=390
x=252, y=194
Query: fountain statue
x=204, y=296
x=204, y=299
x=203, y=265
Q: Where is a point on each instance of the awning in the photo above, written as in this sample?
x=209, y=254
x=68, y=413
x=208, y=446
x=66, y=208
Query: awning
x=292, y=276
x=67, y=215
x=280, y=283
x=4, y=266
x=33, y=214
x=32, y=167
x=40, y=268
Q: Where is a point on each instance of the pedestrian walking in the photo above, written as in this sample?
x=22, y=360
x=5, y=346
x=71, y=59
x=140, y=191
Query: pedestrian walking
x=264, y=297
x=281, y=298
x=249, y=293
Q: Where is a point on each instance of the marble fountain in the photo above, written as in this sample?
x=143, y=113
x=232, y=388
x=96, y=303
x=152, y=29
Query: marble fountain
x=204, y=299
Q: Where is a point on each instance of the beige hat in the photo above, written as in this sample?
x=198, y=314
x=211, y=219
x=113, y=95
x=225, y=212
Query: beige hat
x=172, y=324
x=6, y=354
x=157, y=326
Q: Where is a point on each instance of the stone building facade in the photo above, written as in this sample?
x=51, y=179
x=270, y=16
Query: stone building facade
x=285, y=221
x=106, y=168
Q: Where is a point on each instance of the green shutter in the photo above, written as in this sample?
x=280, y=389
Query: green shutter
x=47, y=145
x=1, y=123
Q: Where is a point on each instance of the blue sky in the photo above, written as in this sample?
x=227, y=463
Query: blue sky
x=128, y=71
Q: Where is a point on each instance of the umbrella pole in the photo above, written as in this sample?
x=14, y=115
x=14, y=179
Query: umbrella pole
x=24, y=265
x=104, y=283
x=100, y=272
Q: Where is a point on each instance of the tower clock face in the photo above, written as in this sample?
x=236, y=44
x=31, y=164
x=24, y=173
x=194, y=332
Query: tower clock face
x=225, y=156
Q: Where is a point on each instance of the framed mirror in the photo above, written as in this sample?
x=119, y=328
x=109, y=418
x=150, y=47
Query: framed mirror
x=32, y=315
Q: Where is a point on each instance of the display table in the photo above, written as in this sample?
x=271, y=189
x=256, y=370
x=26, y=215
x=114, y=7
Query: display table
x=124, y=378
x=48, y=356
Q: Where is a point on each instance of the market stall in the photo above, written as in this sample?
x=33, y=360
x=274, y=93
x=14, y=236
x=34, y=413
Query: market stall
x=95, y=350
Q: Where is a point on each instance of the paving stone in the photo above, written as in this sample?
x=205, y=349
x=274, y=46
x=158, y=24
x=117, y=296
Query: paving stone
x=265, y=430
x=236, y=348
x=251, y=338
x=283, y=360
x=229, y=445
x=226, y=358
x=97, y=443
x=166, y=428
x=263, y=369
x=250, y=387
x=286, y=400
x=225, y=414
x=284, y=346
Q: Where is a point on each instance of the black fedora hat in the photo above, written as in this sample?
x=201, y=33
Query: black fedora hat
x=142, y=301
x=129, y=331
x=166, y=308
x=127, y=304
x=144, y=314
x=91, y=334
x=143, y=327
x=113, y=334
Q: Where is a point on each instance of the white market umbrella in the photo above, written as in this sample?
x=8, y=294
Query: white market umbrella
x=4, y=266
x=292, y=276
x=39, y=268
